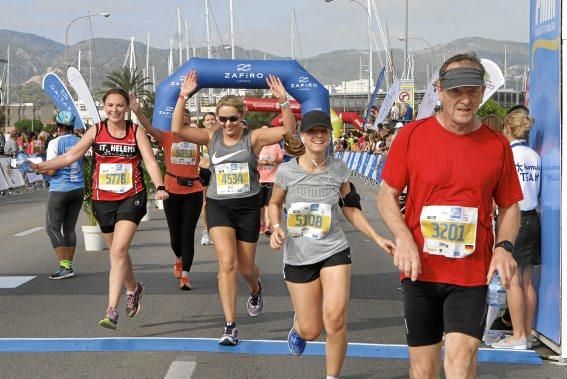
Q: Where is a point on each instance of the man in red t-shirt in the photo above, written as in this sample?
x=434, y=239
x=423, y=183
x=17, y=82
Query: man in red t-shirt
x=454, y=168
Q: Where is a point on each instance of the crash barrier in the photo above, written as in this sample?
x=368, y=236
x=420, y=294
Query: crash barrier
x=365, y=166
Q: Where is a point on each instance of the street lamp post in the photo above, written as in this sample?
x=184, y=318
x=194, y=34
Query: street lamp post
x=103, y=14
x=369, y=25
x=426, y=42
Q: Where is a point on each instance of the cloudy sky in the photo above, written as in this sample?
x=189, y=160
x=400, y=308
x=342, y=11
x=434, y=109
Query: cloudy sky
x=266, y=24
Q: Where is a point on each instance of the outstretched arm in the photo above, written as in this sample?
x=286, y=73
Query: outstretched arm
x=74, y=154
x=146, y=124
x=195, y=135
x=359, y=221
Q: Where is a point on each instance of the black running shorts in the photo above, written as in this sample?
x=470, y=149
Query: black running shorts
x=431, y=309
x=308, y=273
x=241, y=214
x=527, y=248
x=108, y=213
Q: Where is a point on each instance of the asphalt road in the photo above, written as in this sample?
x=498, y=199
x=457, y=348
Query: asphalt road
x=41, y=308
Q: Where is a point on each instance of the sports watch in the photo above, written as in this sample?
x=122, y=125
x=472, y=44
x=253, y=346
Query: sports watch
x=506, y=245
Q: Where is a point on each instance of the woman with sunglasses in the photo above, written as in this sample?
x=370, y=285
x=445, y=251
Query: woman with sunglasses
x=183, y=207
x=233, y=197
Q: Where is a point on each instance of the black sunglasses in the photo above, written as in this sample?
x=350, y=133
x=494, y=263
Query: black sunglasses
x=224, y=119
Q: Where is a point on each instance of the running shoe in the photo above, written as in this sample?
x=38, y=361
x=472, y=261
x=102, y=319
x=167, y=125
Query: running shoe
x=184, y=283
x=255, y=302
x=268, y=231
x=177, y=268
x=230, y=335
x=511, y=344
x=62, y=273
x=205, y=240
x=133, y=304
x=295, y=343
x=110, y=319
x=262, y=229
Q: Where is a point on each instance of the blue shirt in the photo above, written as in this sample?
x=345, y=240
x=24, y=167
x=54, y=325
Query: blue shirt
x=68, y=178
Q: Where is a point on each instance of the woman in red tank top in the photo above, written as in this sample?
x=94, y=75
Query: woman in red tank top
x=119, y=198
x=183, y=207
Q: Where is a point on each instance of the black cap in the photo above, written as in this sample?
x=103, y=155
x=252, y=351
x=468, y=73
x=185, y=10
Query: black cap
x=312, y=119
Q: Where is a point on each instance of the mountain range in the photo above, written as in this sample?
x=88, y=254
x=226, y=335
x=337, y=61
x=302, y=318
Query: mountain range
x=32, y=56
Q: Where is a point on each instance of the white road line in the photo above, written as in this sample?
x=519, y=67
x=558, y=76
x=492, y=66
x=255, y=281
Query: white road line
x=181, y=368
x=14, y=281
x=29, y=231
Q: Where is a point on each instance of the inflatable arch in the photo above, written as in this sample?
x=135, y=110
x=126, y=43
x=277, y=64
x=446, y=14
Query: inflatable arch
x=252, y=74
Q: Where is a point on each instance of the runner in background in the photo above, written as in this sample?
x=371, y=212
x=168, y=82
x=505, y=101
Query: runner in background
x=183, y=206
x=65, y=197
x=317, y=259
x=118, y=193
x=268, y=160
x=210, y=123
x=233, y=197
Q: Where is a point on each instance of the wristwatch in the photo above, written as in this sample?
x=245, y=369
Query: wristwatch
x=160, y=188
x=506, y=245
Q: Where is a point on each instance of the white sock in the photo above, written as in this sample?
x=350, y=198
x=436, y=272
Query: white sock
x=185, y=273
x=332, y=377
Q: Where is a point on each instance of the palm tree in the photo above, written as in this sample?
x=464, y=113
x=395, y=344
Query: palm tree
x=130, y=81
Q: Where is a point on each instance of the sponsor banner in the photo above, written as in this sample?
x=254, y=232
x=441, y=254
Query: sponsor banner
x=55, y=89
x=373, y=99
x=389, y=100
x=493, y=79
x=80, y=86
x=546, y=138
x=430, y=99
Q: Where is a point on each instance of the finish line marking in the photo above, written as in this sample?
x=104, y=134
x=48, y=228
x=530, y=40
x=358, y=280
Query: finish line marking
x=29, y=231
x=257, y=347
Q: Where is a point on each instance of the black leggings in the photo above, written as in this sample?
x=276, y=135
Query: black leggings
x=62, y=213
x=182, y=213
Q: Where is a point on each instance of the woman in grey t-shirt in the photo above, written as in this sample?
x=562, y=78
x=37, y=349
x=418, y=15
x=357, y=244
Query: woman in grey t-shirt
x=313, y=187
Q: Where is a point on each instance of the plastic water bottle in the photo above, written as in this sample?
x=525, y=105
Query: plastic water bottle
x=496, y=293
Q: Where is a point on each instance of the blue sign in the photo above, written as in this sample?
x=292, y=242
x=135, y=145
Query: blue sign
x=252, y=74
x=56, y=90
x=545, y=138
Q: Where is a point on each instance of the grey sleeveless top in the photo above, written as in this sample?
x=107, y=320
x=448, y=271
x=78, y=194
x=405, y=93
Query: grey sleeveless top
x=234, y=172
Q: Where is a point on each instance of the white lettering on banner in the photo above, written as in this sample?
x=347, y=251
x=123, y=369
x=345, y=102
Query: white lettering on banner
x=545, y=11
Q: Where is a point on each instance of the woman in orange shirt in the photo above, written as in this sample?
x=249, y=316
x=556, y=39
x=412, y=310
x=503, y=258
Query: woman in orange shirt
x=183, y=207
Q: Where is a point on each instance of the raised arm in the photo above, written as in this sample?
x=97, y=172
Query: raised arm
x=195, y=135
x=262, y=137
x=74, y=154
x=146, y=124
